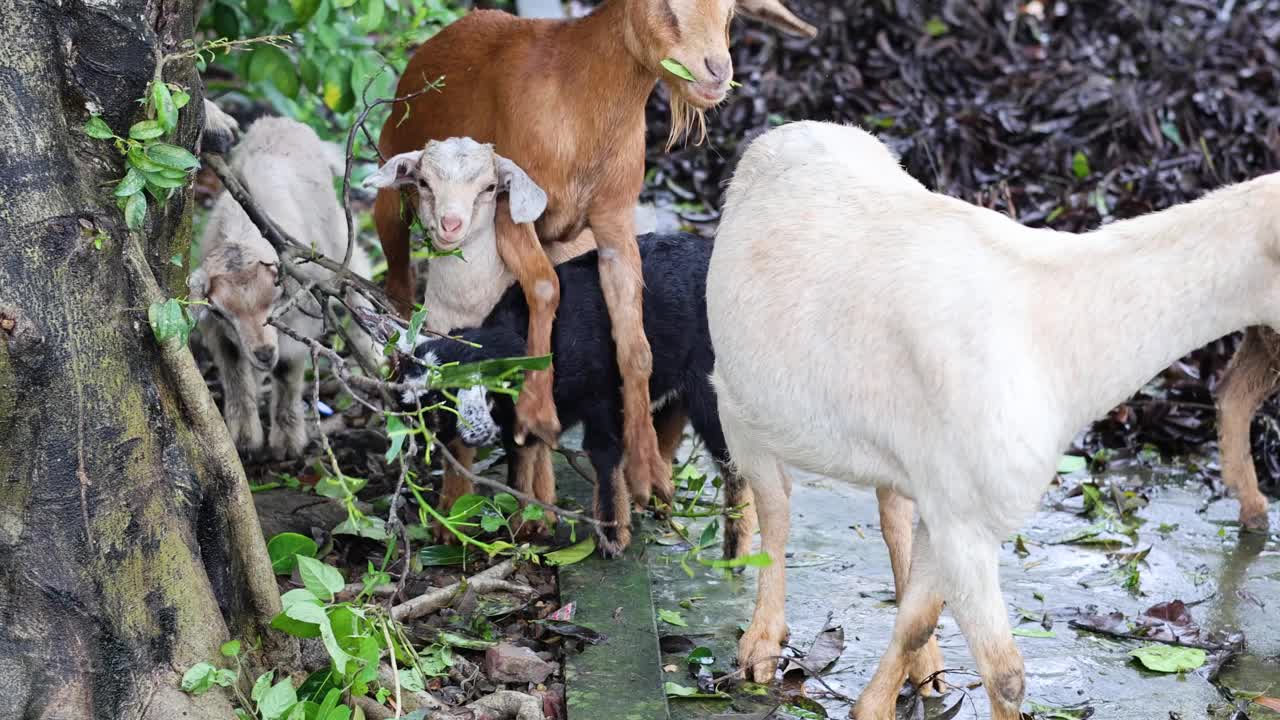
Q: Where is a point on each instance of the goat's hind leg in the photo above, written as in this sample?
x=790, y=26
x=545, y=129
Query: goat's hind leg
x=1250, y=379
x=759, y=647
x=919, y=604
x=896, y=512
x=240, y=392
x=612, y=500
x=534, y=475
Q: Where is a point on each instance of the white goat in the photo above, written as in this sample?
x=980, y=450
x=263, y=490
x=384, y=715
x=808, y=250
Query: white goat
x=951, y=355
x=459, y=179
x=289, y=172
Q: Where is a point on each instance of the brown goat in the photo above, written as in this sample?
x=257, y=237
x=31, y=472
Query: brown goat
x=1252, y=377
x=565, y=100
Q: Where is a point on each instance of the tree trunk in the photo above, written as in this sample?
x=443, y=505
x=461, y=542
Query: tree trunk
x=129, y=547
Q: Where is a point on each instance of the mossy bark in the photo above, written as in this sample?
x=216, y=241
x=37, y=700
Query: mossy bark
x=125, y=544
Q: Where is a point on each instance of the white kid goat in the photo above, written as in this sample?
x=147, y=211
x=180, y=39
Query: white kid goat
x=950, y=354
x=289, y=172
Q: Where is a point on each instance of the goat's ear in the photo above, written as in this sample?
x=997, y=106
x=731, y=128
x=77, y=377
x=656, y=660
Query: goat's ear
x=526, y=199
x=773, y=12
x=398, y=170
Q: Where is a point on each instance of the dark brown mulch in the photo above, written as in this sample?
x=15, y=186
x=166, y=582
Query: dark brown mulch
x=1068, y=114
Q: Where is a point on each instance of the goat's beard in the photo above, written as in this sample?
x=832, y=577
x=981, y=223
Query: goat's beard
x=685, y=118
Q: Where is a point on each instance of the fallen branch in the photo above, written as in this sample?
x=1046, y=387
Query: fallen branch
x=501, y=705
x=430, y=602
x=373, y=710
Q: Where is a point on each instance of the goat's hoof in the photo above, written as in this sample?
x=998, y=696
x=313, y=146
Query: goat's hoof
x=536, y=415
x=646, y=472
x=925, y=670
x=758, y=652
x=1253, y=516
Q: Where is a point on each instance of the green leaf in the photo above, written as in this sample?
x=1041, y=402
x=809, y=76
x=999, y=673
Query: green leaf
x=411, y=679
x=303, y=10
x=1034, y=632
x=1068, y=464
x=135, y=211
x=337, y=92
x=168, y=319
x=199, y=678
x=371, y=19
x=1080, y=165
x=137, y=158
x=701, y=656
x=1170, y=131
x=373, y=528
x=672, y=617
x=172, y=156
x=224, y=678
x=132, y=182
x=436, y=555
x=466, y=507
x=146, y=130
x=321, y=579
x=396, y=433
x=269, y=64
x=284, y=547
x=490, y=523
x=532, y=513
x=676, y=690
x=230, y=648
x=180, y=97
x=97, y=128
x=164, y=180
x=675, y=67
x=760, y=559
x=1169, y=658
x=416, y=320
x=331, y=700
x=507, y=503
x=343, y=3
x=464, y=642
x=341, y=712
x=294, y=627
x=166, y=112
x=936, y=27
x=278, y=701
x=577, y=552
x=262, y=685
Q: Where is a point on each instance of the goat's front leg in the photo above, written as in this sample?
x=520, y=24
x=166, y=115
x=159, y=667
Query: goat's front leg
x=533, y=474
x=240, y=392
x=612, y=502
x=288, y=436
x=1250, y=379
x=759, y=647
x=455, y=485
x=896, y=514
x=523, y=255
x=622, y=279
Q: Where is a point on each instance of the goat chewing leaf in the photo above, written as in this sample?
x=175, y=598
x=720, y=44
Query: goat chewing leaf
x=674, y=67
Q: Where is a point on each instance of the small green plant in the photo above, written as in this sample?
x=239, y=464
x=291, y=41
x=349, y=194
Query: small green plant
x=358, y=638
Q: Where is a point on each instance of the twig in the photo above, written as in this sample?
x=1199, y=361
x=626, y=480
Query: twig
x=285, y=244
x=528, y=499
x=350, y=151
x=572, y=456
x=373, y=710
x=440, y=597
x=395, y=672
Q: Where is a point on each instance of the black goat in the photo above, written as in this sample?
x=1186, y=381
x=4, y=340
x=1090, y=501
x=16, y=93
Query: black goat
x=587, y=381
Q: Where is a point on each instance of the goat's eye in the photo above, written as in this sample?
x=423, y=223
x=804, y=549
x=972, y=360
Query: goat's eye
x=491, y=188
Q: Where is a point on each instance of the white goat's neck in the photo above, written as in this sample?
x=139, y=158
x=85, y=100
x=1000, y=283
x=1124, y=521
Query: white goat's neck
x=462, y=290
x=1119, y=304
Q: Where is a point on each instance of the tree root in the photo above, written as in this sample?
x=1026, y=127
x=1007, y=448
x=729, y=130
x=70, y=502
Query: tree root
x=427, y=603
x=217, y=454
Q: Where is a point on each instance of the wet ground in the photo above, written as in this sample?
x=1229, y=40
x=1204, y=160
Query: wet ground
x=837, y=566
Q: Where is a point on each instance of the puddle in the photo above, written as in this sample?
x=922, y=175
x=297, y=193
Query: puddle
x=837, y=564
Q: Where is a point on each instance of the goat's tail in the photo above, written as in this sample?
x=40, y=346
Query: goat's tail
x=221, y=131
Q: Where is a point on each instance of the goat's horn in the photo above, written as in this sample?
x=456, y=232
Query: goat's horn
x=778, y=15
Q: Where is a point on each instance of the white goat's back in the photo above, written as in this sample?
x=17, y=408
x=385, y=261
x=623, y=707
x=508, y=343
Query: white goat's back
x=828, y=311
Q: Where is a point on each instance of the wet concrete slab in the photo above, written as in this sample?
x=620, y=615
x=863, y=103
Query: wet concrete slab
x=837, y=566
